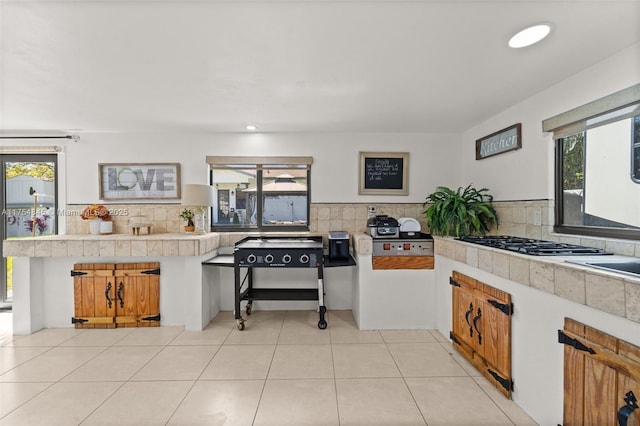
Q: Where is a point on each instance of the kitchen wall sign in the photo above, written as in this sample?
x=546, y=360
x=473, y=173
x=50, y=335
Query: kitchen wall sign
x=384, y=173
x=144, y=181
x=499, y=142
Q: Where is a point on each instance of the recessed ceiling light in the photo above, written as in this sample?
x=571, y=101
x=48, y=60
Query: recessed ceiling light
x=529, y=36
x=251, y=127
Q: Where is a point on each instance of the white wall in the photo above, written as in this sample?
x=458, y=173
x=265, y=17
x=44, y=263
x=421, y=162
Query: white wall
x=433, y=159
x=527, y=173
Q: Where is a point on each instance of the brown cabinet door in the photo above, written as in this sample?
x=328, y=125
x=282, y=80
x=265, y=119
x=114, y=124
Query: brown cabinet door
x=481, y=328
x=94, y=295
x=116, y=295
x=495, y=329
x=138, y=295
x=599, y=370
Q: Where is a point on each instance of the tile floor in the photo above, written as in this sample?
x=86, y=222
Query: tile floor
x=281, y=370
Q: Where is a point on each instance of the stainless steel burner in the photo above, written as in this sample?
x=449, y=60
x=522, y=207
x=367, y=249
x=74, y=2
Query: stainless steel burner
x=532, y=247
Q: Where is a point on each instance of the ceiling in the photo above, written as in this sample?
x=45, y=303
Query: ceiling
x=289, y=66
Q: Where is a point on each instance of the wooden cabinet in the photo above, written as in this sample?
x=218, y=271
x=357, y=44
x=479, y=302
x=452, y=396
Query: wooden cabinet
x=402, y=262
x=482, y=328
x=108, y=295
x=600, y=371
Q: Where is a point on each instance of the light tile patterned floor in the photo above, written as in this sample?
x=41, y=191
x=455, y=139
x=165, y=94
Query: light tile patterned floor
x=281, y=370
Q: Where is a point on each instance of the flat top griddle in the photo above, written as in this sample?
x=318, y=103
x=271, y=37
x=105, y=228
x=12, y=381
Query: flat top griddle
x=280, y=243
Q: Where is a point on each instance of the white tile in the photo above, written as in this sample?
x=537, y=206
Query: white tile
x=215, y=334
x=177, y=363
x=52, y=365
x=298, y=402
x=240, y=362
x=516, y=414
x=98, y=337
x=363, y=360
x=12, y=395
x=225, y=403
x=303, y=331
x=11, y=357
x=46, y=337
x=153, y=336
x=302, y=362
x=140, y=404
x=458, y=398
x=376, y=402
x=117, y=363
x=62, y=404
x=256, y=332
x=407, y=336
x=424, y=360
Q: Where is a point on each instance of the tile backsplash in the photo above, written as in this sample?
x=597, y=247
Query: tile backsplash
x=529, y=218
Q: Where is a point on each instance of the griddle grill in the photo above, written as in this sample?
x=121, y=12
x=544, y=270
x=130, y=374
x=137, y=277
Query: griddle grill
x=277, y=252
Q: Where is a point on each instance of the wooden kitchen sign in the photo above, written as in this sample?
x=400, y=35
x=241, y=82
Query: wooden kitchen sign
x=499, y=142
x=384, y=173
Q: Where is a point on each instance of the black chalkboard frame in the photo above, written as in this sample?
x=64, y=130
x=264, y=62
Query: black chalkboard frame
x=401, y=158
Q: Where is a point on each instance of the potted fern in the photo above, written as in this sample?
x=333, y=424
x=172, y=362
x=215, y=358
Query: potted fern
x=460, y=212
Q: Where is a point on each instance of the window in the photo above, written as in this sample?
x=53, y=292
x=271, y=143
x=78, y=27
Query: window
x=260, y=193
x=635, y=150
x=28, y=202
x=598, y=167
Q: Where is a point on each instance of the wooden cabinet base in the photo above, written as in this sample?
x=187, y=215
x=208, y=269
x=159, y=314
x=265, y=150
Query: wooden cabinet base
x=482, y=329
x=108, y=295
x=599, y=372
x=403, y=262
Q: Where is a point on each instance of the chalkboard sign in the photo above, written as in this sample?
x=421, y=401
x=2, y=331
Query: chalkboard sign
x=384, y=173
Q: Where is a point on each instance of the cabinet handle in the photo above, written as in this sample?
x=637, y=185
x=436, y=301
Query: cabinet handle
x=466, y=316
x=120, y=298
x=475, y=325
x=626, y=410
x=106, y=294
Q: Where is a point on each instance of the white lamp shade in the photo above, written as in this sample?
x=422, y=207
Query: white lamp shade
x=197, y=195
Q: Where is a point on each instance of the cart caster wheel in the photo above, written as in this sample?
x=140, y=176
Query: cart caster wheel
x=322, y=325
x=248, y=309
x=240, y=325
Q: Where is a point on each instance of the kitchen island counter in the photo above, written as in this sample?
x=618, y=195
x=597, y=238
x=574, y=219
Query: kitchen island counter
x=43, y=288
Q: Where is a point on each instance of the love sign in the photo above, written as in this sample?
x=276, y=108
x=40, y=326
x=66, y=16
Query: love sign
x=139, y=181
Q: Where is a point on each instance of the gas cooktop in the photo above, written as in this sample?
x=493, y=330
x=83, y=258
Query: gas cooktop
x=532, y=246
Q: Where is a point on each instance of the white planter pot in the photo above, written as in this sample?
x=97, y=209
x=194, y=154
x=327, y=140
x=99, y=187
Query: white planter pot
x=94, y=226
x=106, y=227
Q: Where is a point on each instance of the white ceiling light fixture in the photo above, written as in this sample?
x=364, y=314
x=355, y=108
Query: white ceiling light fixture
x=251, y=128
x=529, y=36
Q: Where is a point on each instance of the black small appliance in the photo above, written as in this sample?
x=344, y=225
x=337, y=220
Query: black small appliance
x=338, y=245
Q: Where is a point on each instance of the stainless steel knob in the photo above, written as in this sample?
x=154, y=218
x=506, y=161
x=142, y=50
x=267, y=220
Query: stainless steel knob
x=286, y=258
x=268, y=258
x=304, y=258
x=251, y=258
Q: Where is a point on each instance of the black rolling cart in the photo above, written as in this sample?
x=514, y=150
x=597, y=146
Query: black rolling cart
x=277, y=252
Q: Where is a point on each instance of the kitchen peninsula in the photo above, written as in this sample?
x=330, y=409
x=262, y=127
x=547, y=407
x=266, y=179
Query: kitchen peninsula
x=43, y=288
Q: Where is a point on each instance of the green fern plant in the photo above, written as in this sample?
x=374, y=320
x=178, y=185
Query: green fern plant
x=460, y=212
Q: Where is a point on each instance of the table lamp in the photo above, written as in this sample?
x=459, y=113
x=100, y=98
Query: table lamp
x=200, y=197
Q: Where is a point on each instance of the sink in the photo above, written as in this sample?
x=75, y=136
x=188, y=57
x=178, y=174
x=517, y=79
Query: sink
x=629, y=267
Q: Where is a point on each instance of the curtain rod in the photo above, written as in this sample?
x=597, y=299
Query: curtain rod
x=74, y=137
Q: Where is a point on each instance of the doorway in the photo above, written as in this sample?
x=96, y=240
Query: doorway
x=28, y=198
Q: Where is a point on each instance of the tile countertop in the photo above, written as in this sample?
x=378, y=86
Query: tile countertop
x=615, y=293
x=83, y=245
x=165, y=244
